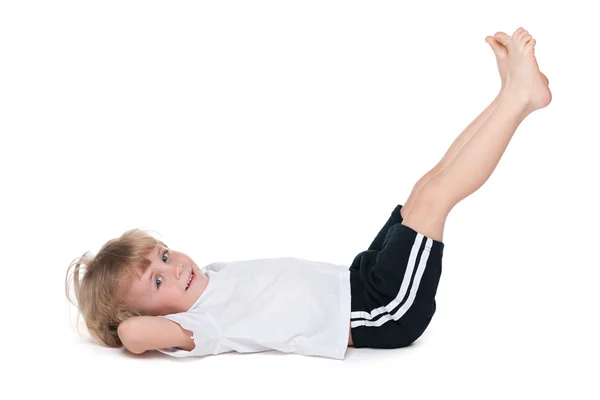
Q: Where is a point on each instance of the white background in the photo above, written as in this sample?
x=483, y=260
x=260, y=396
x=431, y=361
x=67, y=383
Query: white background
x=258, y=129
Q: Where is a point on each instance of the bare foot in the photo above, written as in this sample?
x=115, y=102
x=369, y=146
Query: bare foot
x=501, y=53
x=523, y=76
x=498, y=43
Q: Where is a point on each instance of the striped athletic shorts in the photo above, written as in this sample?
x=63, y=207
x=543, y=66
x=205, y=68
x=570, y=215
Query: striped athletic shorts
x=393, y=286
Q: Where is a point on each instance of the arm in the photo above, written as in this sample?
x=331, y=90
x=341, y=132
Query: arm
x=139, y=334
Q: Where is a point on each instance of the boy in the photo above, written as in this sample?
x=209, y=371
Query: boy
x=387, y=296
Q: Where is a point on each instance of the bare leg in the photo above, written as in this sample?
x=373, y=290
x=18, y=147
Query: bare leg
x=526, y=91
x=452, y=151
x=496, y=42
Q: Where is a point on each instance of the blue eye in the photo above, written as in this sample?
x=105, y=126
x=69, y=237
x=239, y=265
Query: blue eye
x=158, y=281
x=165, y=254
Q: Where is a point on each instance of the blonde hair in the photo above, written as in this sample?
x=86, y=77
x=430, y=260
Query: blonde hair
x=102, y=290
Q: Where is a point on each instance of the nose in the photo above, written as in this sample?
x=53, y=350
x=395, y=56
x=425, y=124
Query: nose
x=178, y=269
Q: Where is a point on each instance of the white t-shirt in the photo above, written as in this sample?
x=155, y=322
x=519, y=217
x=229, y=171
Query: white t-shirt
x=285, y=304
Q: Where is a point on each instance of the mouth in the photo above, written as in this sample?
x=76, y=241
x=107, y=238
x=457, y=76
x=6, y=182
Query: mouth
x=191, y=280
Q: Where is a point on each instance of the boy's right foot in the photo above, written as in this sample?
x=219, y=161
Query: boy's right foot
x=498, y=44
x=523, y=77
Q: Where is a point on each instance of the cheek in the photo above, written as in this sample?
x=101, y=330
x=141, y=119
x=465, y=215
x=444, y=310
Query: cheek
x=172, y=296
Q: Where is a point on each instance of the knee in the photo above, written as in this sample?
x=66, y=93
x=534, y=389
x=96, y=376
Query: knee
x=433, y=198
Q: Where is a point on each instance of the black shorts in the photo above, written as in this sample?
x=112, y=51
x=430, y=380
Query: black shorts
x=393, y=286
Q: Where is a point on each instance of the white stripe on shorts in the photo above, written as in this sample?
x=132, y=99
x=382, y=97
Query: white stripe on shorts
x=368, y=316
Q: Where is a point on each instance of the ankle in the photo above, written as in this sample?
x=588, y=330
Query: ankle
x=515, y=97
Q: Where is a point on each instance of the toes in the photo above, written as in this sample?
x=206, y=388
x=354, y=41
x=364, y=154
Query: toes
x=515, y=37
x=523, y=38
x=492, y=42
x=530, y=45
x=518, y=32
x=499, y=50
x=503, y=38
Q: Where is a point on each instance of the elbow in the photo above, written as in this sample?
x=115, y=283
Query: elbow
x=135, y=350
x=128, y=338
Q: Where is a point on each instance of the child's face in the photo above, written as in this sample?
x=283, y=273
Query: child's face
x=161, y=289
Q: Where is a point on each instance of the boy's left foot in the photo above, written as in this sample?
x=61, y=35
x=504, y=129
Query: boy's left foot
x=501, y=53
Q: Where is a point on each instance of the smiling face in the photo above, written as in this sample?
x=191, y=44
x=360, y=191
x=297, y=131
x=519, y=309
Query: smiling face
x=163, y=288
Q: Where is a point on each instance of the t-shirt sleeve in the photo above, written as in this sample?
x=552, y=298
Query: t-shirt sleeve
x=214, y=267
x=205, y=334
